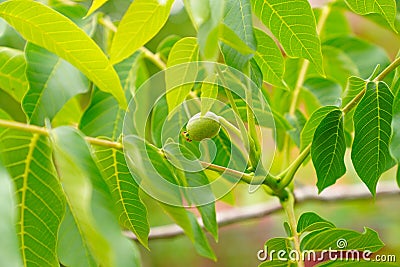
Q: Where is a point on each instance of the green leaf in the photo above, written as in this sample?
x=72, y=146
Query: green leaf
x=10, y=255
x=354, y=86
x=12, y=72
x=365, y=55
x=328, y=149
x=269, y=58
x=310, y=221
x=184, y=51
x=104, y=117
x=395, y=138
x=327, y=92
x=179, y=155
x=141, y=22
x=386, y=8
x=46, y=94
x=188, y=222
x=335, y=238
x=372, y=122
x=294, y=26
x=208, y=31
x=90, y=200
x=165, y=46
x=297, y=121
x=335, y=25
x=230, y=38
x=49, y=31
x=338, y=65
x=279, y=244
x=73, y=249
x=240, y=43
x=311, y=125
x=209, y=93
x=40, y=198
x=96, y=4
x=125, y=192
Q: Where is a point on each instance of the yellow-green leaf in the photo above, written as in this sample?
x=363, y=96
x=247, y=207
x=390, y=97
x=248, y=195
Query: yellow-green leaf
x=141, y=22
x=47, y=28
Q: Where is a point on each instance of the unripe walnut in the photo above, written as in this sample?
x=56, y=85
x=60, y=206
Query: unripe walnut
x=202, y=127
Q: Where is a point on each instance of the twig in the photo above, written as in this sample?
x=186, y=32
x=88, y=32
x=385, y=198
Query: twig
x=302, y=195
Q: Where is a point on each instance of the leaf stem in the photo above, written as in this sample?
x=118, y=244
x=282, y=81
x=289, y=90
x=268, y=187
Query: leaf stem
x=388, y=70
x=288, y=206
x=154, y=58
x=287, y=175
x=43, y=131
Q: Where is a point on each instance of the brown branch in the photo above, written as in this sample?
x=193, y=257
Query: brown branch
x=304, y=194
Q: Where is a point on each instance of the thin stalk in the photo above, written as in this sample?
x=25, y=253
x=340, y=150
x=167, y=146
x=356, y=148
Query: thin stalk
x=288, y=206
x=43, y=131
x=287, y=175
x=154, y=58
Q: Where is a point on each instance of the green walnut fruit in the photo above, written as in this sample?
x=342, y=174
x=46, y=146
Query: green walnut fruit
x=202, y=127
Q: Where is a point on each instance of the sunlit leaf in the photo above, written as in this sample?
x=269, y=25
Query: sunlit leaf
x=141, y=22
x=61, y=36
x=96, y=4
x=269, y=58
x=184, y=51
x=40, y=198
x=294, y=26
x=12, y=72
x=386, y=8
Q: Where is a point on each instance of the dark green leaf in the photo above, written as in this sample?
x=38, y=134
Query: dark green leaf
x=311, y=125
x=325, y=90
x=365, y=55
x=46, y=94
x=310, y=221
x=344, y=239
x=372, y=122
x=238, y=17
x=73, y=249
x=328, y=149
x=188, y=222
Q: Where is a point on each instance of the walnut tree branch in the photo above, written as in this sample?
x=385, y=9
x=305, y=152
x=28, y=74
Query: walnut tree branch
x=304, y=194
